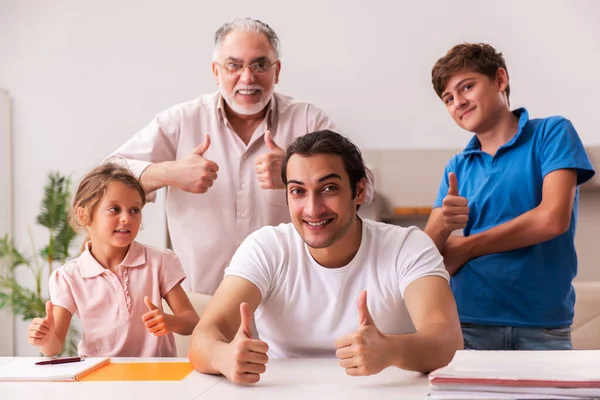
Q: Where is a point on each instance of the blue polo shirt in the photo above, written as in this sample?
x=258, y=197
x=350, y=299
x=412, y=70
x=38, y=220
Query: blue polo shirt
x=531, y=286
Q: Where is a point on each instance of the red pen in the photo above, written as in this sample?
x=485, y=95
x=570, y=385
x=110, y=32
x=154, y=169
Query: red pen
x=60, y=361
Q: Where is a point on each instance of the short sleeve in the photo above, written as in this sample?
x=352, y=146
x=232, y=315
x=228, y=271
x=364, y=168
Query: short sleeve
x=561, y=148
x=170, y=272
x=60, y=291
x=257, y=259
x=418, y=257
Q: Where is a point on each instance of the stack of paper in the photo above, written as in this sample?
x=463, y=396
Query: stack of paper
x=518, y=374
x=25, y=369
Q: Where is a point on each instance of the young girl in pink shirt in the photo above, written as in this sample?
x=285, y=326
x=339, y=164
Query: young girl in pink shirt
x=116, y=285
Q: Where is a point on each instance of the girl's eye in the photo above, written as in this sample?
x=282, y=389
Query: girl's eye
x=113, y=209
x=296, y=191
x=135, y=210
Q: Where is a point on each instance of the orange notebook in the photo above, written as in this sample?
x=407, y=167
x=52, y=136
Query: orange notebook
x=142, y=371
x=25, y=369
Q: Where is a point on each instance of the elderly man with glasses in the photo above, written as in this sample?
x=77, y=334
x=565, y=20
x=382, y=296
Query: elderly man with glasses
x=220, y=155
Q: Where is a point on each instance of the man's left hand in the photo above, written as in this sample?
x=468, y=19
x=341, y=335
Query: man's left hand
x=366, y=351
x=268, y=166
x=456, y=253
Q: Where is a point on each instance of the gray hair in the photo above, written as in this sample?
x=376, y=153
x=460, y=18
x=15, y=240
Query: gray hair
x=249, y=25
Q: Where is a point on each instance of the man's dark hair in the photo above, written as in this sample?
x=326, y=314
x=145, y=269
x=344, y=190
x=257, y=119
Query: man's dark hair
x=328, y=142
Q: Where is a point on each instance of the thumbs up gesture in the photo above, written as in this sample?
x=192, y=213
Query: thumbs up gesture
x=41, y=330
x=268, y=166
x=155, y=319
x=455, y=209
x=246, y=358
x=366, y=351
x=194, y=173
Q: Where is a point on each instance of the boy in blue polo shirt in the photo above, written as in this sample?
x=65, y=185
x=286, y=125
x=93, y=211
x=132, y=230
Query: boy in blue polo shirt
x=514, y=192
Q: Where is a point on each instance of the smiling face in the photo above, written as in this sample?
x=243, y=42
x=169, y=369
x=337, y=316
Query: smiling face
x=245, y=91
x=320, y=199
x=117, y=217
x=475, y=101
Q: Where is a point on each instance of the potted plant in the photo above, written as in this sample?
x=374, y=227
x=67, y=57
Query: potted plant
x=27, y=302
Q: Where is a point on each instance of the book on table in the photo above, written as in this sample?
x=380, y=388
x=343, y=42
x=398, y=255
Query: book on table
x=551, y=373
x=26, y=369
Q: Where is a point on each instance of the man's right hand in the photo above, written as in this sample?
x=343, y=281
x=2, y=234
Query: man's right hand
x=194, y=173
x=41, y=330
x=455, y=209
x=244, y=358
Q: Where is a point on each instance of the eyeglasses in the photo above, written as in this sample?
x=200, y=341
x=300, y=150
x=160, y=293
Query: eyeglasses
x=257, y=68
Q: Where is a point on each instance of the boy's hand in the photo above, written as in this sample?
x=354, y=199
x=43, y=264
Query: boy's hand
x=455, y=209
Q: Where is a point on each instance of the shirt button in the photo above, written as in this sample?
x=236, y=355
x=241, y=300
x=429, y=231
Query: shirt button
x=242, y=186
x=241, y=215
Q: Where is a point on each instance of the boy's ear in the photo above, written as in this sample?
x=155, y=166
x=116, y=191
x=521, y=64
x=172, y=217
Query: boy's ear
x=501, y=79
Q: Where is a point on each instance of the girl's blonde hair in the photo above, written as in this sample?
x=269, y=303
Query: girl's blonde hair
x=92, y=188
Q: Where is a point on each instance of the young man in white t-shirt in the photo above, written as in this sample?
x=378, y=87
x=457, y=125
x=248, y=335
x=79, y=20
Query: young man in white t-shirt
x=307, y=282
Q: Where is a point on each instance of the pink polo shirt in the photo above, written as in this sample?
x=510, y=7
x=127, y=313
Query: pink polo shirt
x=110, y=305
x=206, y=229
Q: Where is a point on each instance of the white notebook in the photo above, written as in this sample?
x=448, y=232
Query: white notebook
x=560, y=368
x=25, y=369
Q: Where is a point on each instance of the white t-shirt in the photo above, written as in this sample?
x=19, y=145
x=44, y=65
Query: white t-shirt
x=305, y=306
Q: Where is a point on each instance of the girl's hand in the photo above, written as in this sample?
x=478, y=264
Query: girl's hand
x=41, y=330
x=155, y=320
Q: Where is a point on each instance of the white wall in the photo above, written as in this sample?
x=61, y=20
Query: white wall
x=6, y=335
x=85, y=76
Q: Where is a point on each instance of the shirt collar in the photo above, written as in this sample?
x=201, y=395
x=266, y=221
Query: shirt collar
x=91, y=268
x=271, y=111
x=474, y=146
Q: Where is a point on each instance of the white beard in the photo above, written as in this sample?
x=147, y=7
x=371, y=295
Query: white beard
x=247, y=109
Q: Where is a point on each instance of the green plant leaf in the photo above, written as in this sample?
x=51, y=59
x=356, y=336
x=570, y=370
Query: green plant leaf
x=54, y=213
x=10, y=256
x=63, y=240
x=22, y=301
x=55, y=203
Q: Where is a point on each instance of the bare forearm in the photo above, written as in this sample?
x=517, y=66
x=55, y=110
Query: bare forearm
x=533, y=227
x=53, y=347
x=206, y=346
x=183, y=323
x=426, y=350
x=437, y=232
x=156, y=176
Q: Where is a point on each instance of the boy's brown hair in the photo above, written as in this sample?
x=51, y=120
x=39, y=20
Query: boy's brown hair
x=475, y=57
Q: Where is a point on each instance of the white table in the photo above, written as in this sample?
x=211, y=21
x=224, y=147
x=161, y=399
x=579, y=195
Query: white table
x=285, y=379
x=314, y=379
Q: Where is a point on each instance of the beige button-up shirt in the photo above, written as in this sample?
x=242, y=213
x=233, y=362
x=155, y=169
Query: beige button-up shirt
x=206, y=229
